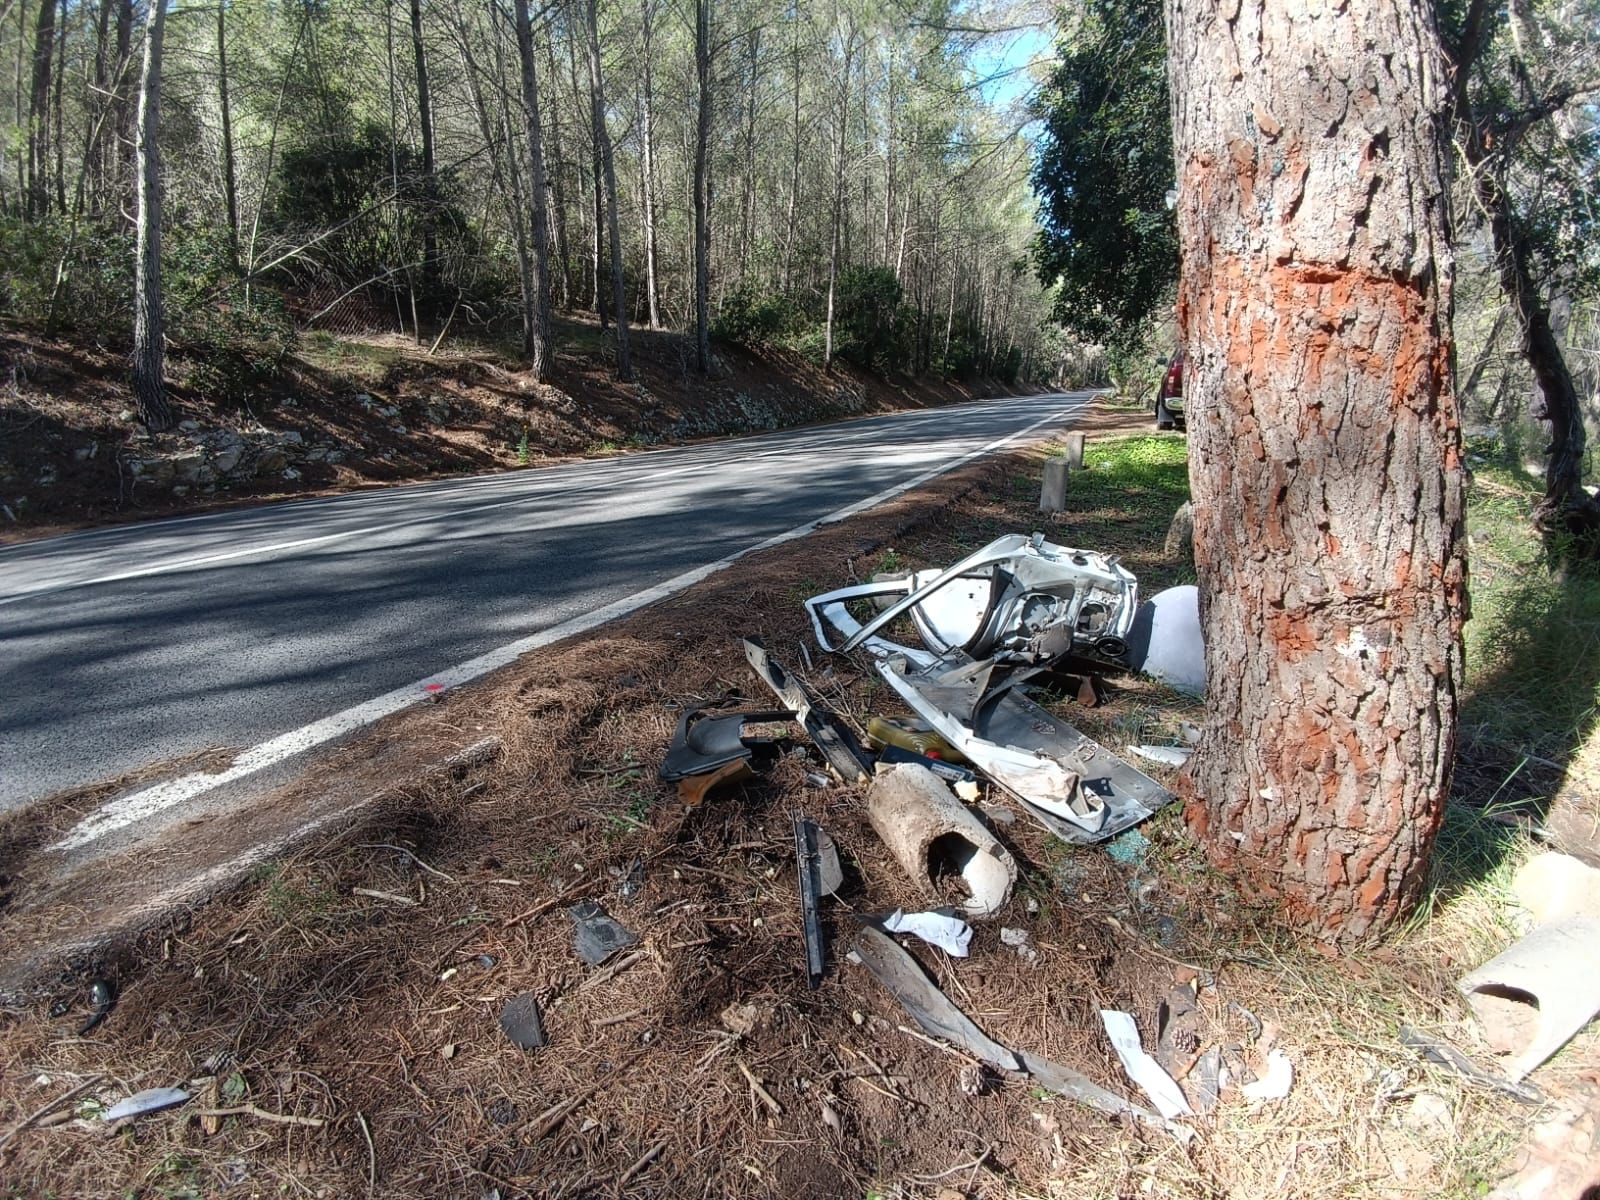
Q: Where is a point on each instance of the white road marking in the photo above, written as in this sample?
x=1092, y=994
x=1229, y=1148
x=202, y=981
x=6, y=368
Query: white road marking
x=138, y=806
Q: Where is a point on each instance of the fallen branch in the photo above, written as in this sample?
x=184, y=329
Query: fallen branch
x=613, y=971
x=37, y=1113
x=375, y=894
x=250, y=1110
x=755, y=1084
x=645, y=1159
x=408, y=854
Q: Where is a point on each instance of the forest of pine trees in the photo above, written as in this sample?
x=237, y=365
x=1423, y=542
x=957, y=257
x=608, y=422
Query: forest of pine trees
x=837, y=177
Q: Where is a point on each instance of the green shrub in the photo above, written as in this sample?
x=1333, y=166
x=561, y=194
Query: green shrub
x=866, y=308
x=753, y=318
x=96, y=289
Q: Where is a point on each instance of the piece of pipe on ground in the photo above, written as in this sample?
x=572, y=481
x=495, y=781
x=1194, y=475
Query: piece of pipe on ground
x=1535, y=996
x=932, y=834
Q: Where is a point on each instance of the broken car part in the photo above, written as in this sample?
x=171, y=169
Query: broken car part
x=711, y=748
x=950, y=934
x=141, y=1104
x=807, y=857
x=894, y=967
x=1442, y=1054
x=893, y=756
x=897, y=970
x=844, y=755
x=522, y=1022
x=1532, y=998
x=909, y=734
x=1018, y=599
x=990, y=623
x=1165, y=643
x=1145, y=1071
x=932, y=834
x=596, y=937
x=1066, y=780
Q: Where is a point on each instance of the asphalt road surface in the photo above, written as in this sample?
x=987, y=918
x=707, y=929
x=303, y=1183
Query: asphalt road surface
x=281, y=627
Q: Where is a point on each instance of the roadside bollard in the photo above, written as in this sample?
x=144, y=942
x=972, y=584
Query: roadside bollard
x=1053, y=493
x=1075, y=451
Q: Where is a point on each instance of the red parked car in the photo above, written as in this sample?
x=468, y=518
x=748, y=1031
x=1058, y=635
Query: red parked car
x=1169, y=396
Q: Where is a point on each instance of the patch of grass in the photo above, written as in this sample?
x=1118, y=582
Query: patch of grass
x=359, y=364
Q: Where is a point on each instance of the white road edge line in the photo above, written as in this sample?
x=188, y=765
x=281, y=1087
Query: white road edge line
x=137, y=806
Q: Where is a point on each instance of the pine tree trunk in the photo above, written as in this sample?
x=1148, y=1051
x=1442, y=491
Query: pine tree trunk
x=834, y=245
x=538, y=336
x=702, y=186
x=230, y=184
x=648, y=139
x=149, y=356
x=1325, y=456
x=558, y=201
x=602, y=140
x=430, y=193
x=123, y=133
x=44, y=44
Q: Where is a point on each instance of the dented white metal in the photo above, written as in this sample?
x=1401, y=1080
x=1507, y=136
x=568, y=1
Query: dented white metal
x=1018, y=599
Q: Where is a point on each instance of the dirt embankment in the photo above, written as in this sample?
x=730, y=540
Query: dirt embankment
x=348, y=413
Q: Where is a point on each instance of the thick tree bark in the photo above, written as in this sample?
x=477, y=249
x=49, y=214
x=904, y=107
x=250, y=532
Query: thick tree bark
x=538, y=340
x=1325, y=455
x=149, y=354
x=44, y=44
x=230, y=183
x=602, y=141
x=648, y=166
x=702, y=186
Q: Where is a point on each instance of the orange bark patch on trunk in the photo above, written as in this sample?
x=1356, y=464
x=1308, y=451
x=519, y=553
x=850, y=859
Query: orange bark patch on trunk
x=1294, y=636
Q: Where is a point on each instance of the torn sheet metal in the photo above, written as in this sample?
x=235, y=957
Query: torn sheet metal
x=707, y=739
x=1165, y=643
x=895, y=968
x=1017, y=600
x=1066, y=780
x=838, y=745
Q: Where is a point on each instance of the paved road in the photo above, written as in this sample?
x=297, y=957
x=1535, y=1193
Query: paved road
x=127, y=646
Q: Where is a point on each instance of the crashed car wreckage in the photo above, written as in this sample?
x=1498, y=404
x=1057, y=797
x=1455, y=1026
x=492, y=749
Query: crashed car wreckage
x=1003, y=615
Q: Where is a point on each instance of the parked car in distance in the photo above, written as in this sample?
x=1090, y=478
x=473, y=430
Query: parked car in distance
x=1169, y=395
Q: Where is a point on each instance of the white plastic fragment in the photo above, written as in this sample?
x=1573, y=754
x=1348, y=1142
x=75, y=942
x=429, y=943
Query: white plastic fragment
x=950, y=934
x=1167, y=756
x=1275, y=1084
x=151, y=1100
x=1017, y=939
x=1145, y=1071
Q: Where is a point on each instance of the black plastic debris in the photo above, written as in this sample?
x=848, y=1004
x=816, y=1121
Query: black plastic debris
x=523, y=1022
x=102, y=997
x=710, y=748
x=596, y=936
